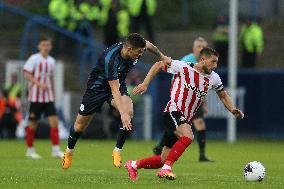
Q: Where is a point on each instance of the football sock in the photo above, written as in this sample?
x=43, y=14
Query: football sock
x=55, y=148
x=73, y=137
x=117, y=149
x=201, y=138
x=153, y=162
x=30, y=136
x=121, y=137
x=54, y=135
x=165, y=166
x=177, y=150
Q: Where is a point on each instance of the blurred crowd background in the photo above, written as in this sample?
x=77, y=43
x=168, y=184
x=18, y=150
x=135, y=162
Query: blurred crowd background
x=81, y=29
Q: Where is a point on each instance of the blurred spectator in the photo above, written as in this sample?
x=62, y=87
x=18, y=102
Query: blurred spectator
x=141, y=12
x=88, y=13
x=14, y=88
x=115, y=20
x=220, y=40
x=252, y=43
x=14, y=93
x=58, y=10
x=8, y=122
x=76, y=16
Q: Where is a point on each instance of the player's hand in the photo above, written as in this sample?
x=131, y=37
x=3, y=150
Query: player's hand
x=43, y=86
x=238, y=113
x=126, y=121
x=167, y=60
x=140, y=89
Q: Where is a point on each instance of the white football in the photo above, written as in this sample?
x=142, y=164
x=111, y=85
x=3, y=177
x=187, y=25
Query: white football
x=254, y=171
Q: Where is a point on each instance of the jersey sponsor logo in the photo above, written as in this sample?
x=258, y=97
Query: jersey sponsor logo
x=200, y=94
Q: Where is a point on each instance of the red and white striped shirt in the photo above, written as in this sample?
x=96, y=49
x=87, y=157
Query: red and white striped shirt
x=43, y=70
x=189, y=88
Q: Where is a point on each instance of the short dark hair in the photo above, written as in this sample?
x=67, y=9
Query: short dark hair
x=207, y=51
x=44, y=38
x=136, y=40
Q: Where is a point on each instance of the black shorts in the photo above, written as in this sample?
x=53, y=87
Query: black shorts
x=93, y=100
x=38, y=108
x=199, y=113
x=172, y=120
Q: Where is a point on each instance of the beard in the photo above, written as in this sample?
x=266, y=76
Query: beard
x=205, y=69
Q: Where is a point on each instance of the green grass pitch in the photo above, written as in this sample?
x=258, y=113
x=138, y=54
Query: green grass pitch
x=92, y=166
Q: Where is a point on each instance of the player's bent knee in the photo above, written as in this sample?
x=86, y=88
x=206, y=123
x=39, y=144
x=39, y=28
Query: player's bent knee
x=188, y=135
x=32, y=124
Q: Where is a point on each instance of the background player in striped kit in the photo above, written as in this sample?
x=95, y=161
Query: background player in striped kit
x=39, y=71
x=198, y=119
x=190, y=86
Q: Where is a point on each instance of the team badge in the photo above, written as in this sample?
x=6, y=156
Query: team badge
x=135, y=62
x=82, y=107
x=181, y=119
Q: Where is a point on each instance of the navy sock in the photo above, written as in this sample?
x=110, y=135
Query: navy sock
x=201, y=138
x=121, y=137
x=73, y=137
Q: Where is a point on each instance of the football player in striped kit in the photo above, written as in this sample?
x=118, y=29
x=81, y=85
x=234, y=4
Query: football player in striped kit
x=190, y=85
x=198, y=119
x=39, y=70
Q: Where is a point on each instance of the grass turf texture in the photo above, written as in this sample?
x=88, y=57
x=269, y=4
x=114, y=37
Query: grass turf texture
x=92, y=166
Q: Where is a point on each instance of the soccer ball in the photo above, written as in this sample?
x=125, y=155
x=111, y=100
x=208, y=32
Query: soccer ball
x=254, y=171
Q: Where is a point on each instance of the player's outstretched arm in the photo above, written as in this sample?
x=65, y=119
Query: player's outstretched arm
x=153, y=49
x=125, y=118
x=226, y=100
x=141, y=88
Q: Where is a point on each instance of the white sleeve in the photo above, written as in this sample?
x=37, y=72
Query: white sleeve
x=30, y=65
x=175, y=67
x=217, y=83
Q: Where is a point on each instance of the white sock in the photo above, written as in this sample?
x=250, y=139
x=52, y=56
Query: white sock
x=117, y=149
x=68, y=150
x=133, y=164
x=167, y=167
x=31, y=149
x=55, y=148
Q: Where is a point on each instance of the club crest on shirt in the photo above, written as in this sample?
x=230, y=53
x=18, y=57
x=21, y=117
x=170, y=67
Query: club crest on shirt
x=135, y=62
x=181, y=119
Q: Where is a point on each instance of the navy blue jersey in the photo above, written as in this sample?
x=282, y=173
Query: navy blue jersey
x=110, y=66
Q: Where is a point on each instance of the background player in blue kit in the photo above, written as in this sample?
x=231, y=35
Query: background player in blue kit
x=106, y=82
